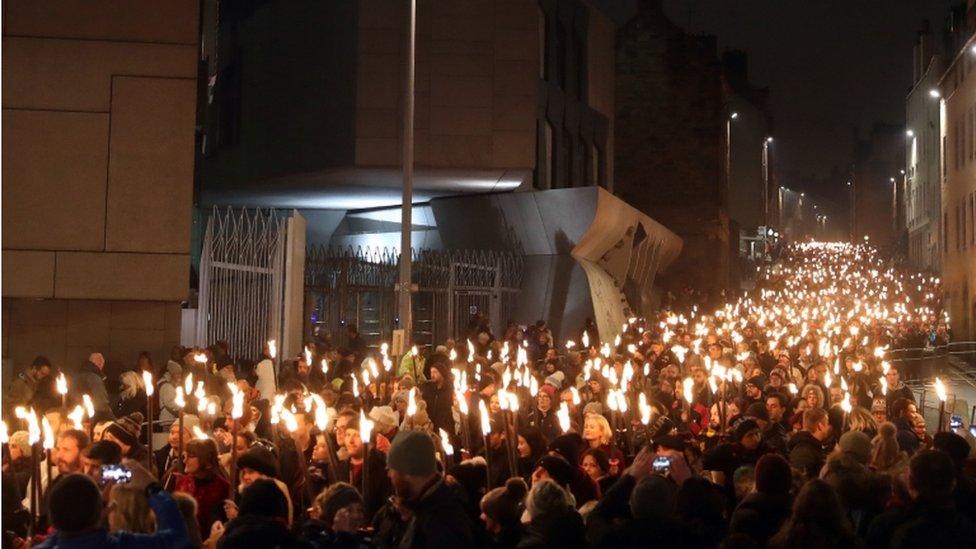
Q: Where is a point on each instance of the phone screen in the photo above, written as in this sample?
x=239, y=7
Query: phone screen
x=662, y=464
x=119, y=474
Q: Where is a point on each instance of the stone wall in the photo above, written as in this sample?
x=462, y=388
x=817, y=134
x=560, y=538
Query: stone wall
x=670, y=140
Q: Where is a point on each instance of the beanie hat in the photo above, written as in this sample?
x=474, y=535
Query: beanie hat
x=758, y=381
x=757, y=410
x=263, y=498
x=549, y=390
x=74, y=503
x=504, y=504
x=778, y=372
x=127, y=428
x=654, y=497
x=856, y=444
x=336, y=497
x=558, y=468
x=174, y=370
x=568, y=446
x=547, y=497
x=879, y=405
x=412, y=453
x=407, y=382
x=40, y=361
x=773, y=474
x=593, y=408
x=556, y=379
x=259, y=459
x=744, y=427
x=385, y=418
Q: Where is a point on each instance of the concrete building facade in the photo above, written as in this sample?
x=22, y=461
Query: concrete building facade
x=923, y=199
x=958, y=122
x=98, y=125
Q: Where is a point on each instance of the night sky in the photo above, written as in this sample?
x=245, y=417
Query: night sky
x=831, y=66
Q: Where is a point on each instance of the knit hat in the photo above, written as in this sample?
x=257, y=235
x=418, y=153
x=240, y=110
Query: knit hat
x=174, y=369
x=74, y=503
x=757, y=410
x=758, y=381
x=593, y=408
x=556, y=380
x=336, y=497
x=263, y=498
x=504, y=504
x=547, y=497
x=744, y=427
x=779, y=372
x=385, y=418
x=654, y=497
x=568, y=446
x=407, y=382
x=412, y=453
x=558, y=469
x=857, y=444
x=773, y=474
x=189, y=421
x=127, y=428
x=879, y=405
x=259, y=459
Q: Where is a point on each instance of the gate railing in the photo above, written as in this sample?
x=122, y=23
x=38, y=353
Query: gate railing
x=242, y=280
x=346, y=285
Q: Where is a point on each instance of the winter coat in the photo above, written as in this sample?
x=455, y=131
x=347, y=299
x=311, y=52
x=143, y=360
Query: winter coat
x=127, y=406
x=259, y=531
x=440, y=403
x=210, y=495
x=170, y=531
x=546, y=422
x=439, y=521
x=563, y=530
x=760, y=516
x=922, y=524
x=806, y=454
x=379, y=488
x=863, y=492
x=90, y=380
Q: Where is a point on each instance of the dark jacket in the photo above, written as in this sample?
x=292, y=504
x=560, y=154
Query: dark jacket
x=90, y=380
x=138, y=403
x=907, y=439
x=170, y=531
x=922, y=524
x=439, y=405
x=760, y=516
x=556, y=530
x=379, y=488
x=259, y=531
x=547, y=423
x=439, y=521
x=806, y=454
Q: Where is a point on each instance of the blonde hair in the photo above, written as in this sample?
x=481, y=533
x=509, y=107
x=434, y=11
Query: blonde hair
x=861, y=420
x=606, y=434
x=131, y=511
x=21, y=440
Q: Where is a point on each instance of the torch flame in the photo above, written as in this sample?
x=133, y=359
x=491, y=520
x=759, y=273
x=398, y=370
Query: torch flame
x=446, y=444
x=940, y=389
x=62, y=384
x=148, y=382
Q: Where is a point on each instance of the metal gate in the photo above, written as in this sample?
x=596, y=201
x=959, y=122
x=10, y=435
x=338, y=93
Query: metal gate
x=355, y=286
x=242, y=280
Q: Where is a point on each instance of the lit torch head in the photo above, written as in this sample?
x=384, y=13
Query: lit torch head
x=940, y=390
x=147, y=380
x=62, y=384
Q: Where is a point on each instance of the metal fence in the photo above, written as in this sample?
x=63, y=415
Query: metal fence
x=241, y=280
x=925, y=362
x=346, y=285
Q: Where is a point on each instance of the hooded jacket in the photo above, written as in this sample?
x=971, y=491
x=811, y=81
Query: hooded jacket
x=806, y=454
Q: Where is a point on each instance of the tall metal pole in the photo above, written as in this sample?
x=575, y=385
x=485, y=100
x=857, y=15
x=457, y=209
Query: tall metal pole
x=406, y=220
x=765, y=168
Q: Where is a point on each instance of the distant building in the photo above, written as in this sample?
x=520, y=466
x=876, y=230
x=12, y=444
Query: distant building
x=958, y=122
x=99, y=103
x=670, y=141
x=923, y=192
x=878, y=161
x=514, y=141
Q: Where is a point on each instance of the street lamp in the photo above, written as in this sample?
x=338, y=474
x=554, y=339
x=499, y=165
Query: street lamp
x=765, y=173
x=934, y=93
x=910, y=133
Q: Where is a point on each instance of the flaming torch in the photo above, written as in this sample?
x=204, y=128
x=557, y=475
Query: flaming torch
x=940, y=390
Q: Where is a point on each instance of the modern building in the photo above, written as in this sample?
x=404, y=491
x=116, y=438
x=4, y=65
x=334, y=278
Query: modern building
x=958, y=139
x=98, y=127
x=923, y=196
x=670, y=141
x=514, y=100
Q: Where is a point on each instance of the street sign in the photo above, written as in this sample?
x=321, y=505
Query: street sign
x=396, y=349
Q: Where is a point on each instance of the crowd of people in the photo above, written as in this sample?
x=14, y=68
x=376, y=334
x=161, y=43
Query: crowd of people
x=774, y=420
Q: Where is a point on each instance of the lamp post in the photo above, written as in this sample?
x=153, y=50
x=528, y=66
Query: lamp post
x=406, y=220
x=765, y=175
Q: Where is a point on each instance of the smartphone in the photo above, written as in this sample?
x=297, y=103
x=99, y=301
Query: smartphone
x=118, y=474
x=955, y=422
x=662, y=465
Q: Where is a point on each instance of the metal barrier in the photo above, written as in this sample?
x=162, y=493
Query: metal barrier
x=924, y=362
x=356, y=286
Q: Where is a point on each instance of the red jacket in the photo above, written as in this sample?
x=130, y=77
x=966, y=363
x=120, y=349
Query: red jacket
x=210, y=495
